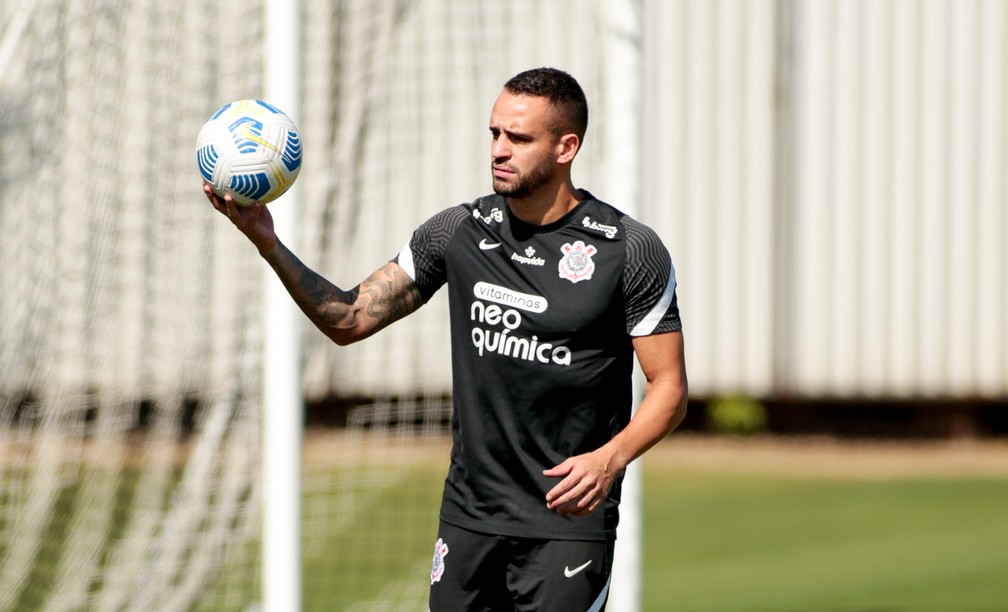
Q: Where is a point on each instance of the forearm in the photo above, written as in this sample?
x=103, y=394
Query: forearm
x=662, y=359
x=345, y=316
x=661, y=411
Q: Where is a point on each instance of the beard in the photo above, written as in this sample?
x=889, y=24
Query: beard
x=524, y=184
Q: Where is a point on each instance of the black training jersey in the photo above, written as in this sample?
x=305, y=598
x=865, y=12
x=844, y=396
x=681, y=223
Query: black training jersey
x=542, y=319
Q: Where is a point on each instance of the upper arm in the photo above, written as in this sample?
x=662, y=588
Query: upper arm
x=402, y=285
x=381, y=299
x=663, y=361
x=662, y=358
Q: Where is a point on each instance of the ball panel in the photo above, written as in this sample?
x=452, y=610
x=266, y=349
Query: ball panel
x=220, y=111
x=250, y=187
x=291, y=156
x=268, y=107
x=206, y=158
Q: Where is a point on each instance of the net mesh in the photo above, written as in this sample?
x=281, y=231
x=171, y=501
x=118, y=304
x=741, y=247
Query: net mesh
x=131, y=331
x=128, y=478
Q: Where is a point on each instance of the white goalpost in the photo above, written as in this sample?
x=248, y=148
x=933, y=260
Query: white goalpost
x=283, y=405
x=623, y=139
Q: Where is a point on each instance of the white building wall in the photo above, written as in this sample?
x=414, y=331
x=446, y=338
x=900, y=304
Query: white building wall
x=709, y=180
x=830, y=176
x=901, y=204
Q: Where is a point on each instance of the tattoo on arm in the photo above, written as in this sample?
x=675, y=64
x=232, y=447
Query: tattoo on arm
x=345, y=316
x=392, y=296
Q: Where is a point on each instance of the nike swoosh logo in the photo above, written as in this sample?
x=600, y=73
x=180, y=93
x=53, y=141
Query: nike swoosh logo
x=246, y=132
x=568, y=572
x=486, y=246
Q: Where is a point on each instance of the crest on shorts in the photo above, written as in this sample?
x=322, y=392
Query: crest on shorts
x=576, y=264
x=437, y=569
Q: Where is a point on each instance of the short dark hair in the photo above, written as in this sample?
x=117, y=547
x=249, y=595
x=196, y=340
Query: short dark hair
x=562, y=91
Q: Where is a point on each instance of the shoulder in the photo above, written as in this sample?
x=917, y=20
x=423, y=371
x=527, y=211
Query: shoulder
x=642, y=242
x=648, y=262
x=649, y=281
x=445, y=222
x=643, y=245
x=648, y=278
x=424, y=255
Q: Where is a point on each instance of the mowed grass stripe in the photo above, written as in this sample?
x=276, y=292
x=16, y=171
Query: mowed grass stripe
x=716, y=541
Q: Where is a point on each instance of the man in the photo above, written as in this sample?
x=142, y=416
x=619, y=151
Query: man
x=551, y=292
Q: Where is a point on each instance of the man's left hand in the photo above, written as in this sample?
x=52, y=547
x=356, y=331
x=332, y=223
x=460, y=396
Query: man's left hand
x=586, y=482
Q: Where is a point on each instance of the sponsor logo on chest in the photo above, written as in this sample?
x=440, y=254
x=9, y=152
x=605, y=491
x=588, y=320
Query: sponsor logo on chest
x=529, y=258
x=497, y=319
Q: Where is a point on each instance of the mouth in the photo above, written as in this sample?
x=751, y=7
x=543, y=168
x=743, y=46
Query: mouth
x=502, y=172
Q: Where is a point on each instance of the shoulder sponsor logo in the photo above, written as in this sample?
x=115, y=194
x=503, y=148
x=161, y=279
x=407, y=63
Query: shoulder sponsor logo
x=486, y=246
x=576, y=264
x=494, y=216
x=529, y=258
x=608, y=230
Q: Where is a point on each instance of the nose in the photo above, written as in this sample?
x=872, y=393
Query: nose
x=499, y=148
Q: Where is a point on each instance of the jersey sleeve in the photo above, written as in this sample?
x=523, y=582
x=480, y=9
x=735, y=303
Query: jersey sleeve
x=423, y=257
x=649, y=283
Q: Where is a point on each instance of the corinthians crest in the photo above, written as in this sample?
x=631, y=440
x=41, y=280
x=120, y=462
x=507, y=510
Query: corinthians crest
x=437, y=569
x=576, y=265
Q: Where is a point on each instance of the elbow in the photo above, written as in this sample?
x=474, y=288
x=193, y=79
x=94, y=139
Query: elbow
x=679, y=414
x=680, y=400
x=342, y=328
x=342, y=336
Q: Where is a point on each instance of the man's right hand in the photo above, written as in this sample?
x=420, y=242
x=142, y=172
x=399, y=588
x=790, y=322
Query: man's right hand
x=255, y=221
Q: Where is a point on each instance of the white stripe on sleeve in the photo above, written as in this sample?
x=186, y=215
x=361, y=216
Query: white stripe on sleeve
x=651, y=320
x=405, y=261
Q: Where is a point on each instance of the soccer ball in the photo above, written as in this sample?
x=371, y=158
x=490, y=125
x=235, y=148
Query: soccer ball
x=249, y=149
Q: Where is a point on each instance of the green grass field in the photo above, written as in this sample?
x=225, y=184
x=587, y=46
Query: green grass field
x=732, y=542
x=718, y=537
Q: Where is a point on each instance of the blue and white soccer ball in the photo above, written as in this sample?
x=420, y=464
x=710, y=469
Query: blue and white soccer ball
x=249, y=149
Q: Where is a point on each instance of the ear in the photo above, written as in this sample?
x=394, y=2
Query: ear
x=567, y=148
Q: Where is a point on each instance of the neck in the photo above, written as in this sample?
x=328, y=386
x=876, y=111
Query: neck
x=546, y=205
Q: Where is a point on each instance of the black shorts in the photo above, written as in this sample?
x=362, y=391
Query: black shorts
x=480, y=572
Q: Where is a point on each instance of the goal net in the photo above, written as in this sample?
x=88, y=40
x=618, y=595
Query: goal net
x=131, y=315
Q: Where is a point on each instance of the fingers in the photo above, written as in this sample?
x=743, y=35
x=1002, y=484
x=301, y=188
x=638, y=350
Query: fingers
x=218, y=203
x=227, y=206
x=579, y=493
x=230, y=207
x=254, y=221
x=558, y=471
x=563, y=487
x=580, y=508
x=209, y=192
x=581, y=500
